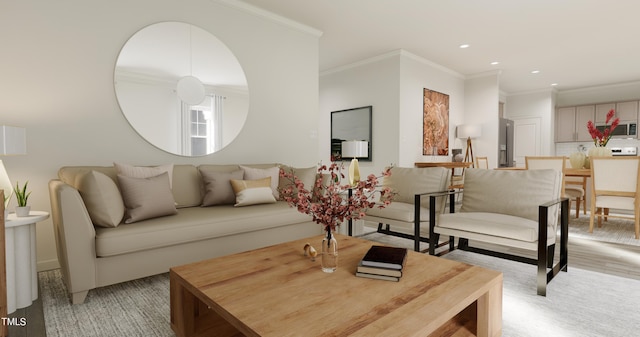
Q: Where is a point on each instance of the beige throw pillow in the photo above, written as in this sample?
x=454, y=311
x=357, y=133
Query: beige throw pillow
x=253, y=192
x=145, y=171
x=146, y=198
x=217, y=186
x=101, y=198
x=251, y=173
x=306, y=175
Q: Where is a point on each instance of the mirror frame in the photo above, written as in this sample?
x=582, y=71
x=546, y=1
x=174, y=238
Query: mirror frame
x=351, y=124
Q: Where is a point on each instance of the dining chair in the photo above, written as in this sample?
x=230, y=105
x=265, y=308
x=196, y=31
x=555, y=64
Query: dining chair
x=615, y=185
x=482, y=162
x=547, y=162
x=575, y=188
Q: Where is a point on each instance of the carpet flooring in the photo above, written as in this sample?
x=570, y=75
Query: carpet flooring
x=578, y=303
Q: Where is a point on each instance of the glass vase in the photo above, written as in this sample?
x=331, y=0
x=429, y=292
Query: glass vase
x=329, y=252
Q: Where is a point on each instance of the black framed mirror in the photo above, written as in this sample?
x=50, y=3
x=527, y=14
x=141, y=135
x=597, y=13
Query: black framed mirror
x=352, y=125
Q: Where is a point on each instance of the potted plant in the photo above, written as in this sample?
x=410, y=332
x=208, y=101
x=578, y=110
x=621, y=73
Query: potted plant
x=22, y=196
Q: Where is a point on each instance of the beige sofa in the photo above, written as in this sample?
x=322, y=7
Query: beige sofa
x=112, y=251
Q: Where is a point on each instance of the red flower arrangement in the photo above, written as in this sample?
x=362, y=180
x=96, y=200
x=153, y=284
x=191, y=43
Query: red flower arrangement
x=600, y=139
x=328, y=204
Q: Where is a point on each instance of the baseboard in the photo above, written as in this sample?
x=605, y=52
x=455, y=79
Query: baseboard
x=47, y=265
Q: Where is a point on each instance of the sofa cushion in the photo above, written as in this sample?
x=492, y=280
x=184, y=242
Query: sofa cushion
x=101, y=198
x=187, y=190
x=253, y=192
x=195, y=224
x=511, y=192
x=146, y=198
x=217, y=186
x=187, y=186
x=144, y=171
x=252, y=173
x=306, y=175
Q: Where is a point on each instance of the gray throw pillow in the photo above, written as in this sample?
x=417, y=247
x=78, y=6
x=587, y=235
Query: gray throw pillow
x=217, y=187
x=101, y=198
x=146, y=198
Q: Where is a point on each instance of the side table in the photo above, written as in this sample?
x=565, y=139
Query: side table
x=20, y=245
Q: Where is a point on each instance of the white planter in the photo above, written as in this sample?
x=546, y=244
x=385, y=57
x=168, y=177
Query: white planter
x=23, y=211
x=600, y=151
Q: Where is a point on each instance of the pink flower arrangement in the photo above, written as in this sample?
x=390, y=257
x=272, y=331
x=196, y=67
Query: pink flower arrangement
x=329, y=204
x=600, y=138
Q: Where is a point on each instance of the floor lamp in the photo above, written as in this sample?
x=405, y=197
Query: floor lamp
x=468, y=132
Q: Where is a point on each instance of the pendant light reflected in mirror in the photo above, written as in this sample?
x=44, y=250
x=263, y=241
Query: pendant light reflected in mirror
x=190, y=90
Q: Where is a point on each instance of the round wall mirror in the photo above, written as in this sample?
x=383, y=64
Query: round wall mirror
x=181, y=89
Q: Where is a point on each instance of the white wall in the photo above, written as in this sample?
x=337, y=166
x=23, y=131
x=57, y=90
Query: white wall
x=372, y=82
x=481, y=100
x=539, y=105
x=418, y=74
x=58, y=61
x=393, y=84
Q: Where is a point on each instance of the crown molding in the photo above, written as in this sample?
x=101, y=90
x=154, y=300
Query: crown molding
x=600, y=87
x=259, y=12
x=484, y=74
x=387, y=55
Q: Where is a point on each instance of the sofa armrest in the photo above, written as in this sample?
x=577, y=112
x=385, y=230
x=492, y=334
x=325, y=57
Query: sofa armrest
x=75, y=237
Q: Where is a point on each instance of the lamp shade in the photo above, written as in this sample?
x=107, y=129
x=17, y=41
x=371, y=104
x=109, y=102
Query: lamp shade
x=13, y=140
x=468, y=131
x=355, y=149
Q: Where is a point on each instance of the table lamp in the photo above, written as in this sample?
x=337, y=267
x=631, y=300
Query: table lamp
x=355, y=149
x=13, y=141
x=468, y=131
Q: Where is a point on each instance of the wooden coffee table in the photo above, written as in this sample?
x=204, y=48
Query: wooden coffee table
x=276, y=291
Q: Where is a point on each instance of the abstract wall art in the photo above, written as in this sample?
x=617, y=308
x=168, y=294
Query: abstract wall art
x=435, y=123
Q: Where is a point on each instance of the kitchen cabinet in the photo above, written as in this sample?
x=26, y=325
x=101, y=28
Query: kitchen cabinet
x=571, y=123
x=626, y=111
x=584, y=114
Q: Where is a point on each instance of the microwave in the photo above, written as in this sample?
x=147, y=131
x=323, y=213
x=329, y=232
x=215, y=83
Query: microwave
x=623, y=130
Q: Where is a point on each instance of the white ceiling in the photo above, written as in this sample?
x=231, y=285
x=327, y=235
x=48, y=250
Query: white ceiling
x=574, y=43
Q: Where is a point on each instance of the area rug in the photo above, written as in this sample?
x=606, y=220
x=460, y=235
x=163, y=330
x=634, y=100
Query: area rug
x=613, y=230
x=578, y=303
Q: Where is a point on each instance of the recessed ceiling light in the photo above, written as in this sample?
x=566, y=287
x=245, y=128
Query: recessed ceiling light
x=495, y=63
x=464, y=46
x=554, y=84
x=535, y=71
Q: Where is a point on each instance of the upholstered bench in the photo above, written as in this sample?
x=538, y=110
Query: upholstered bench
x=514, y=208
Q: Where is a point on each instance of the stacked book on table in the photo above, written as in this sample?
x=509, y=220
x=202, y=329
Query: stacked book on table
x=382, y=263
